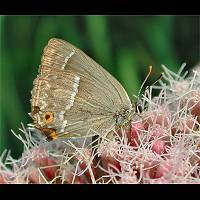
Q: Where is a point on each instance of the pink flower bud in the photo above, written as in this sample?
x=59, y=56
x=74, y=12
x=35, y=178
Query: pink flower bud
x=163, y=169
x=3, y=180
x=156, y=131
x=69, y=178
x=158, y=147
x=109, y=161
x=161, y=117
x=136, y=129
x=44, y=163
x=196, y=109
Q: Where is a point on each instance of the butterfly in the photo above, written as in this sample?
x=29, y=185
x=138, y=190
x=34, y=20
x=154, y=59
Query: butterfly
x=73, y=96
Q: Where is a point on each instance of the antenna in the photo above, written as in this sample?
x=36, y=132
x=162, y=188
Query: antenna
x=138, y=105
x=147, y=76
x=159, y=77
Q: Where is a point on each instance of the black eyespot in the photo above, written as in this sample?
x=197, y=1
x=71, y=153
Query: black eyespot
x=47, y=117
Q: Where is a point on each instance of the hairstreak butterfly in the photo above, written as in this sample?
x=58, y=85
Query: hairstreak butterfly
x=74, y=96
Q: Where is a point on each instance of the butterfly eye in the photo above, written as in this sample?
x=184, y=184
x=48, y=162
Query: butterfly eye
x=48, y=117
x=127, y=111
x=138, y=107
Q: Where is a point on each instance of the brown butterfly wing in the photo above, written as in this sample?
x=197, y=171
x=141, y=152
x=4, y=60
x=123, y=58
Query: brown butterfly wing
x=80, y=93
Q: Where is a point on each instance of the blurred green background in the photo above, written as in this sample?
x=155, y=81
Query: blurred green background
x=124, y=45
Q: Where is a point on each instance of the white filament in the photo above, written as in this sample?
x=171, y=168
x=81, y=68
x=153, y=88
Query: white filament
x=67, y=58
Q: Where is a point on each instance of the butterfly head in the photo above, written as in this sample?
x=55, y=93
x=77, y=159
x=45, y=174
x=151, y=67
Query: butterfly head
x=138, y=107
x=123, y=117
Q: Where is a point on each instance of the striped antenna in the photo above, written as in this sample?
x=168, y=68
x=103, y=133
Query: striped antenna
x=147, y=76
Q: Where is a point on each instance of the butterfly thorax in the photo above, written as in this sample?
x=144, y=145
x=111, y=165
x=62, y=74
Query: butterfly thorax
x=123, y=117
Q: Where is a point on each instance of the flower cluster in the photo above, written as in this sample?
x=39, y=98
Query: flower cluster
x=162, y=145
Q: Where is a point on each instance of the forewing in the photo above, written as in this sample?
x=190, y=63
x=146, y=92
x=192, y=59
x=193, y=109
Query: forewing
x=77, y=90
